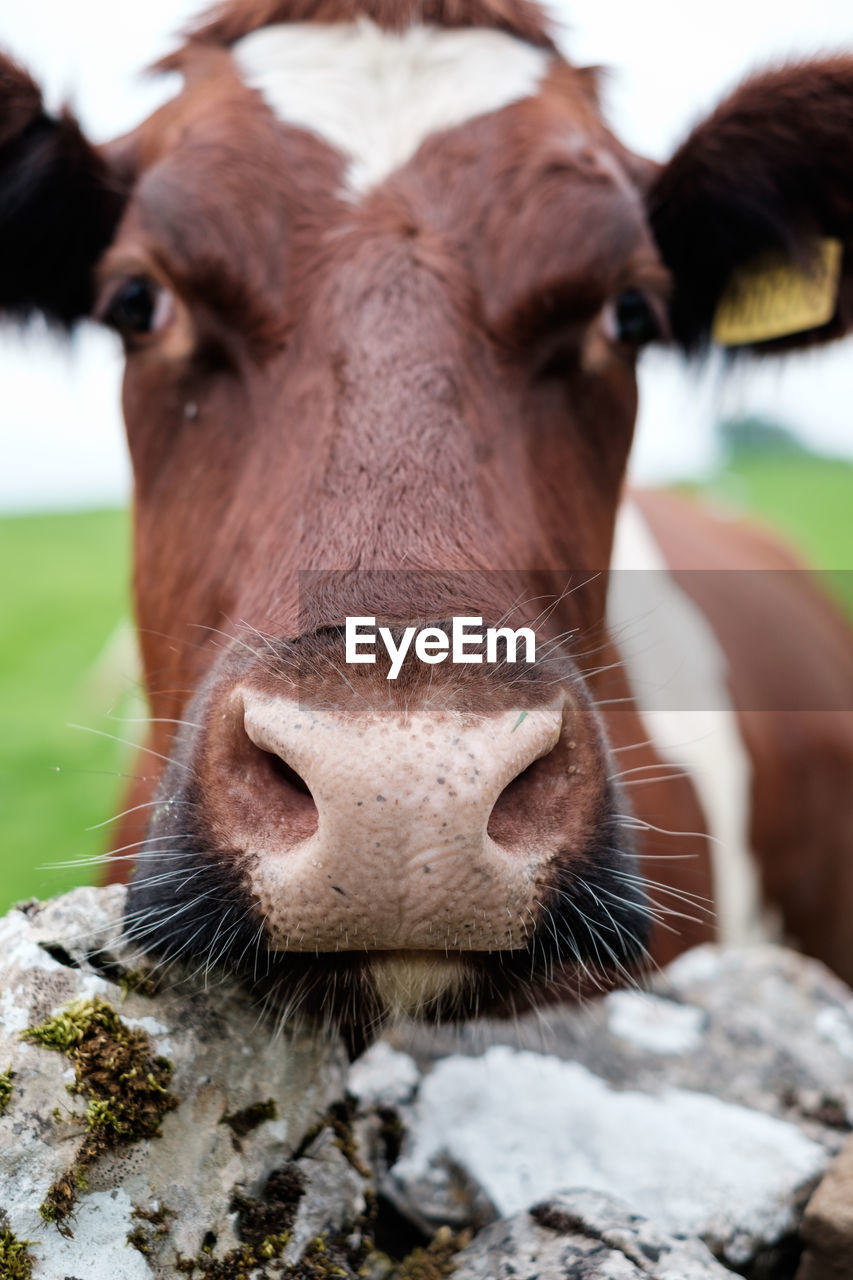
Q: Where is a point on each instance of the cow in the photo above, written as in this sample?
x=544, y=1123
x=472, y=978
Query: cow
x=383, y=275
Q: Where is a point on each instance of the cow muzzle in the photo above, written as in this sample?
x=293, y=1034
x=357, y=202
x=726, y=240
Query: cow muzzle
x=437, y=846
x=395, y=831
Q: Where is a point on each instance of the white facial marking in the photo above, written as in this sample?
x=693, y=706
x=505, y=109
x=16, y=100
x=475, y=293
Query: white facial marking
x=677, y=672
x=375, y=95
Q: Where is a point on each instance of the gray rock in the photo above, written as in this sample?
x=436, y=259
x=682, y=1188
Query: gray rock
x=518, y=1126
x=225, y=1062
x=701, y=1113
x=333, y=1201
x=712, y=1103
x=760, y=1026
x=586, y=1236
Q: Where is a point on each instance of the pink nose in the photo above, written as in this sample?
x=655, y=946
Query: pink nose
x=426, y=831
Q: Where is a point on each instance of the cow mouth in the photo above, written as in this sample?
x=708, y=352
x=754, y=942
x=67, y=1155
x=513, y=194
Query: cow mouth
x=193, y=913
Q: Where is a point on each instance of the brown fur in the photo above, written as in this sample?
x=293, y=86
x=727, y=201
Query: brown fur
x=795, y=716
x=415, y=388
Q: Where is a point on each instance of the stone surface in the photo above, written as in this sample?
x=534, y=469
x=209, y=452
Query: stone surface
x=384, y=1077
x=638, y=1137
x=827, y=1227
x=583, y=1235
x=333, y=1198
x=713, y=1103
x=760, y=1026
x=519, y=1126
x=224, y=1062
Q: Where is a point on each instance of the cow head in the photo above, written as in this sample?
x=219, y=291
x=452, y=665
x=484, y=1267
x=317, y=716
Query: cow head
x=382, y=284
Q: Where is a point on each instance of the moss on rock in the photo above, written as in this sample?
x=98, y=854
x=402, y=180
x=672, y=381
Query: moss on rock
x=437, y=1261
x=6, y=1078
x=152, y=1226
x=263, y=1226
x=339, y=1118
x=16, y=1261
x=241, y=1123
x=242, y=1263
x=126, y=1084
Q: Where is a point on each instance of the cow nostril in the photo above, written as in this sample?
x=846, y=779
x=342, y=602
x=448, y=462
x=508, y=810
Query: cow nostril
x=287, y=774
x=284, y=794
x=531, y=801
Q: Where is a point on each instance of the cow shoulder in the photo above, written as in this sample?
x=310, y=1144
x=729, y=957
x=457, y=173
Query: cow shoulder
x=789, y=668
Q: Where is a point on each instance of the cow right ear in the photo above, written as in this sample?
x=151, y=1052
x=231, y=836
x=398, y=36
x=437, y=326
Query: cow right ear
x=753, y=214
x=59, y=206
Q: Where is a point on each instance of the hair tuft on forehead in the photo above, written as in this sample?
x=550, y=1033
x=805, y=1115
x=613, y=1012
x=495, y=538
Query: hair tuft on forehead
x=233, y=19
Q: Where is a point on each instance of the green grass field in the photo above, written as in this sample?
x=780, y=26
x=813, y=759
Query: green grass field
x=808, y=499
x=65, y=590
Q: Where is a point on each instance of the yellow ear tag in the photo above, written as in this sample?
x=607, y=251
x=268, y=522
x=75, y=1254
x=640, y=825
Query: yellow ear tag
x=770, y=297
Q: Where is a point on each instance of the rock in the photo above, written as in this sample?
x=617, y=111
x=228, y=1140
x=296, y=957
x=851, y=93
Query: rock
x=828, y=1224
x=712, y=1103
x=166, y=1133
x=586, y=1236
x=383, y=1077
x=333, y=1200
x=239, y=1101
x=517, y=1126
x=783, y=1019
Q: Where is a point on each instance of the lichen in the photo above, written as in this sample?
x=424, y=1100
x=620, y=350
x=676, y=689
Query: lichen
x=16, y=1262
x=6, y=1078
x=125, y=1083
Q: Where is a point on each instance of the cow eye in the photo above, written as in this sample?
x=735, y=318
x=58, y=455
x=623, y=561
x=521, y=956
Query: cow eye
x=138, y=308
x=633, y=320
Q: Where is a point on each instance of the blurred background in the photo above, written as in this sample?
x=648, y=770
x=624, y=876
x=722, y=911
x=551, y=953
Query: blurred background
x=776, y=440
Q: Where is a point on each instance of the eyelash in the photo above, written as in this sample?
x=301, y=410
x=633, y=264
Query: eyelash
x=632, y=319
x=138, y=309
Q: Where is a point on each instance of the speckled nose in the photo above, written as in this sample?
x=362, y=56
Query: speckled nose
x=389, y=832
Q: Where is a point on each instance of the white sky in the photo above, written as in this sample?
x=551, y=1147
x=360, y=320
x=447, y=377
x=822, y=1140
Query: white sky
x=61, y=441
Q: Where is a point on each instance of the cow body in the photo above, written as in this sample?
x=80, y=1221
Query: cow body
x=382, y=279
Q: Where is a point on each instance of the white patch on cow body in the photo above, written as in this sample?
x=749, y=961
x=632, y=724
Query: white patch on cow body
x=376, y=95
x=677, y=672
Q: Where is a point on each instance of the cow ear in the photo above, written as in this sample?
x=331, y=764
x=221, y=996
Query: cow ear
x=753, y=214
x=59, y=205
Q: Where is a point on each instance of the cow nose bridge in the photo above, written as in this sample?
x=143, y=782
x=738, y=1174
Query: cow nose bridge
x=388, y=831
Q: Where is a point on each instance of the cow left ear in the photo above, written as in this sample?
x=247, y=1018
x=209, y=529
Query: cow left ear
x=60, y=201
x=753, y=214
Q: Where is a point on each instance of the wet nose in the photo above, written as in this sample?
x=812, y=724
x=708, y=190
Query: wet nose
x=390, y=831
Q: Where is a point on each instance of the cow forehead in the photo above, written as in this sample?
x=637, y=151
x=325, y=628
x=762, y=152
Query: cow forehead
x=376, y=95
